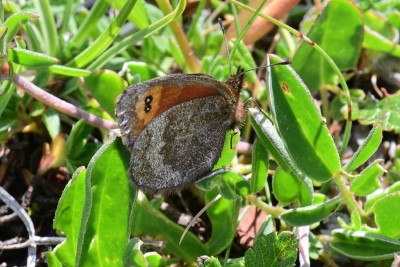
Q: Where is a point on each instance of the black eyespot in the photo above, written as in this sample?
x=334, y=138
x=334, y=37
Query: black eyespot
x=147, y=108
x=148, y=99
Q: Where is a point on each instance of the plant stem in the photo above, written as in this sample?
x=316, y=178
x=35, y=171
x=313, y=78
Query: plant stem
x=61, y=105
x=187, y=51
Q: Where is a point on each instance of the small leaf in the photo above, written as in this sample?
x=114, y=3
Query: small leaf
x=273, y=142
x=367, y=148
x=68, y=71
x=52, y=121
x=364, y=246
x=344, y=48
x=15, y=21
x=380, y=35
x=105, y=86
x=67, y=219
x=273, y=250
x=387, y=215
x=368, y=180
x=385, y=112
x=311, y=214
x=260, y=163
x=133, y=256
x=300, y=124
x=374, y=198
x=29, y=58
x=286, y=187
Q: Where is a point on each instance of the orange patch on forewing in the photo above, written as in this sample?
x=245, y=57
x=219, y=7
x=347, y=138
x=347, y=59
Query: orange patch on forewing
x=285, y=87
x=165, y=97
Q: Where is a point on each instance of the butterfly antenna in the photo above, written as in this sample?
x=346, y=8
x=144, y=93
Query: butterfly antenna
x=266, y=66
x=226, y=45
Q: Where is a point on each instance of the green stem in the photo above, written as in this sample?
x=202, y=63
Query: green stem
x=273, y=211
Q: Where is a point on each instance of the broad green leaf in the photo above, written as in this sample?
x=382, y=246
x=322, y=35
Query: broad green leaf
x=368, y=180
x=67, y=219
x=380, y=35
x=29, y=58
x=371, y=200
x=260, y=163
x=108, y=198
x=105, y=86
x=149, y=220
x=364, y=246
x=51, y=119
x=339, y=32
x=385, y=112
x=387, y=215
x=286, y=187
x=15, y=21
x=311, y=214
x=223, y=216
x=300, y=124
x=273, y=250
x=367, y=148
x=273, y=142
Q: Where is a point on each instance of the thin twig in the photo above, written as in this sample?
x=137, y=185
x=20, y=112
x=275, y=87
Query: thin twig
x=61, y=105
x=17, y=208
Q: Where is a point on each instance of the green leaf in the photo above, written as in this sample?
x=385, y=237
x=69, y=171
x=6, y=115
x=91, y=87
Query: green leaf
x=260, y=163
x=223, y=214
x=364, y=246
x=105, y=86
x=52, y=121
x=311, y=214
x=67, y=219
x=300, y=124
x=133, y=256
x=341, y=39
x=29, y=58
x=380, y=35
x=228, y=151
x=149, y=220
x=79, y=147
x=387, y=215
x=137, y=16
x=368, y=180
x=140, y=69
x=374, y=198
x=286, y=186
x=273, y=142
x=385, y=112
x=155, y=259
x=272, y=250
x=104, y=40
x=367, y=148
x=70, y=72
x=52, y=260
x=108, y=198
x=206, y=261
x=15, y=21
